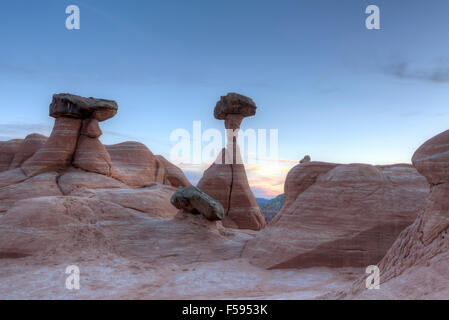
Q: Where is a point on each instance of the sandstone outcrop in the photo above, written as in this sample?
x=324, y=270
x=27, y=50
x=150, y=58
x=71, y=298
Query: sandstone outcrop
x=339, y=215
x=74, y=161
x=134, y=164
x=226, y=179
x=193, y=200
x=74, y=142
x=173, y=176
x=151, y=201
x=65, y=225
x=27, y=149
x=38, y=186
x=8, y=149
x=74, y=180
x=415, y=267
x=69, y=193
x=432, y=159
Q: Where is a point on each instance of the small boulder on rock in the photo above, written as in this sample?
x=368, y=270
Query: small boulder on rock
x=306, y=159
x=193, y=200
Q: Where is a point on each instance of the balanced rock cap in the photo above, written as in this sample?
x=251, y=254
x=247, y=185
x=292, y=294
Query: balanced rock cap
x=234, y=103
x=72, y=106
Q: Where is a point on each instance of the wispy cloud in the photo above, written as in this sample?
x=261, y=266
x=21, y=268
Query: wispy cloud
x=403, y=70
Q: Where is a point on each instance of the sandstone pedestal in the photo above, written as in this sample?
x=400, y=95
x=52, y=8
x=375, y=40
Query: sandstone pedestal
x=226, y=179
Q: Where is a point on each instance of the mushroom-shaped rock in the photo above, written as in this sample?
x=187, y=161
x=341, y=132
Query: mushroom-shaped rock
x=193, y=200
x=72, y=106
x=233, y=108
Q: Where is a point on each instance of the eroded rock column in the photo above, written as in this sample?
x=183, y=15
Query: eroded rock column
x=76, y=129
x=226, y=179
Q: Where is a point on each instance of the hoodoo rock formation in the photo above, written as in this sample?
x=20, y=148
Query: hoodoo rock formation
x=70, y=195
x=74, y=142
x=339, y=215
x=74, y=161
x=226, y=179
x=416, y=265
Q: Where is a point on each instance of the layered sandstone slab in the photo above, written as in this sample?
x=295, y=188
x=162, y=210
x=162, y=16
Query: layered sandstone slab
x=339, y=215
x=153, y=201
x=38, y=186
x=11, y=177
x=60, y=226
x=73, y=180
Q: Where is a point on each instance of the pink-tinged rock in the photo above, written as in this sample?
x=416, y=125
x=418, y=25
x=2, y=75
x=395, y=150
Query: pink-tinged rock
x=134, y=164
x=27, y=148
x=226, y=180
x=11, y=177
x=64, y=226
x=228, y=184
x=91, y=128
x=76, y=179
x=301, y=177
x=91, y=155
x=348, y=217
x=58, y=225
x=8, y=149
x=153, y=201
x=173, y=176
x=432, y=159
x=415, y=267
x=38, y=186
x=57, y=153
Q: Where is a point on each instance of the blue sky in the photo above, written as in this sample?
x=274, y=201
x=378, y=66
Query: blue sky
x=334, y=89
